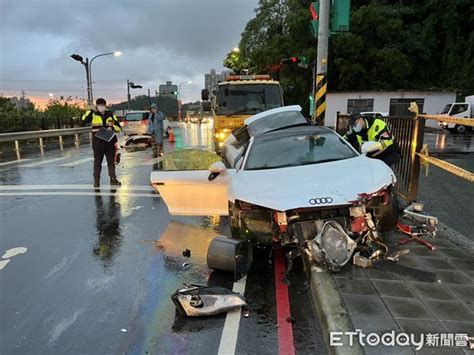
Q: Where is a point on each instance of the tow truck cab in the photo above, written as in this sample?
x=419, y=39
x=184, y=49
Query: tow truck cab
x=237, y=98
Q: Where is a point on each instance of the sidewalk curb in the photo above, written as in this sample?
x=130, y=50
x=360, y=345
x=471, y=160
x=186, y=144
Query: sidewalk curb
x=330, y=307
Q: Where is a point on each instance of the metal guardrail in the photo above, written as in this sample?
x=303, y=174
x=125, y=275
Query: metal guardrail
x=409, y=132
x=21, y=136
x=40, y=135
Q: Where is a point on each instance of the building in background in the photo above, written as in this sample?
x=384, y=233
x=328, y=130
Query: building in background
x=212, y=79
x=168, y=89
x=395, y=103
x=21, y=102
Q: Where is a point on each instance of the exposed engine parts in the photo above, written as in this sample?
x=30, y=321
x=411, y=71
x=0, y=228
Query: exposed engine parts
x=332, y=246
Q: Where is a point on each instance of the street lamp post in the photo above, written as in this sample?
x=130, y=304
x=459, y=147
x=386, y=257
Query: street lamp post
x=88, y=66
x=179, y=98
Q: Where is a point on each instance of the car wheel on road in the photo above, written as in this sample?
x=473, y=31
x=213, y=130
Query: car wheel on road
x=387, y=215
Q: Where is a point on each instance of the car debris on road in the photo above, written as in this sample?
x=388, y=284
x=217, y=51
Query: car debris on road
x=197, y=301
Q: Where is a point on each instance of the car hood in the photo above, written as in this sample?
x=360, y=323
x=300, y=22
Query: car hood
x=318, y=185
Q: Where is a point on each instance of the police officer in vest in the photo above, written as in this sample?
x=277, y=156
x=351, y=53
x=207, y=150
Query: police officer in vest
x=100, y=117
x=371, y=136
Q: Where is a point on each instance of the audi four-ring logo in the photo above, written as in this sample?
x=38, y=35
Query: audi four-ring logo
x=321, y=201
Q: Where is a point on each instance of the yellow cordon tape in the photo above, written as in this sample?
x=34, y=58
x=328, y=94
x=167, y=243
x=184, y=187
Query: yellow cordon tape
x=453, y=169
x=448, y=119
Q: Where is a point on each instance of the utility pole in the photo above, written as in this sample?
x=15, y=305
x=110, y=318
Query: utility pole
x=89, y=83
x=128, y=94
x=322, y=60
x=149, y=98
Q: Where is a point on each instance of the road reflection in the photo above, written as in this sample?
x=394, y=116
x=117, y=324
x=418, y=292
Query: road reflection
x=445, y=142
x=109, y=237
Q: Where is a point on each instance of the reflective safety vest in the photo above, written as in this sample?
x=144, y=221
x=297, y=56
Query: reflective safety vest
x=98, y=120
x=377, y=131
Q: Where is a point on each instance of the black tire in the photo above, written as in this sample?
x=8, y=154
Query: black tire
x=460, y=129
x=387, y=215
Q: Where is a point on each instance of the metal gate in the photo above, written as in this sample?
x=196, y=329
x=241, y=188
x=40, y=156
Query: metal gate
x=408, y=131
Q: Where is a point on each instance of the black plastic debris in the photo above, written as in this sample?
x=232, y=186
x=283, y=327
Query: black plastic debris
x=187, y=253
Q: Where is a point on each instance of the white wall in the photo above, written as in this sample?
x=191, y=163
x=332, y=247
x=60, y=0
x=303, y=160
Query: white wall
x=434, y=102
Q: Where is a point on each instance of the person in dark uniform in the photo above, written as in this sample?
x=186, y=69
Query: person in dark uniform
x=363, y=129
x=101, y=117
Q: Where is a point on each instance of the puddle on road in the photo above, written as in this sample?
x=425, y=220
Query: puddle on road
x=180, y=236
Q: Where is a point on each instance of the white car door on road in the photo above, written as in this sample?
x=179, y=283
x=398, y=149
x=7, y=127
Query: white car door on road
x=190, y=193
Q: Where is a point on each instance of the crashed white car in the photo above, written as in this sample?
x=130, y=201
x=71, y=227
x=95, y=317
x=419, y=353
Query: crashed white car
x=284, y=180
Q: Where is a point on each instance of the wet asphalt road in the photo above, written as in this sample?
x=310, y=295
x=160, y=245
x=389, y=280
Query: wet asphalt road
x=448, y=197
x=100, y=262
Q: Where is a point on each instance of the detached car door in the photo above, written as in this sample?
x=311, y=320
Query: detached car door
x=190, y=193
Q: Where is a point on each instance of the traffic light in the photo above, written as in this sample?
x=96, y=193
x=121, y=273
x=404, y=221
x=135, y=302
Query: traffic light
x=311, y=105
x=291, y=60
x=134, y=86
x=314, y=24
x=301, y=61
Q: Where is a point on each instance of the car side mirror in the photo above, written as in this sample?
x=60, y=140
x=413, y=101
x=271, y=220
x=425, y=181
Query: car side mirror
x=216, y=169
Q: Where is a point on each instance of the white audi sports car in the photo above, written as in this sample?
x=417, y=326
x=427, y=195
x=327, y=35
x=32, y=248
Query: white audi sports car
x=283, y=179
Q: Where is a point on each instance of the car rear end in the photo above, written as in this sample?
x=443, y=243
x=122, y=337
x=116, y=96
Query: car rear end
x=135, y=123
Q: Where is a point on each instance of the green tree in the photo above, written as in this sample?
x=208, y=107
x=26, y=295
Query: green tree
x=6, y=105
x=392, y=45
x=234, y=62
x=63, y=107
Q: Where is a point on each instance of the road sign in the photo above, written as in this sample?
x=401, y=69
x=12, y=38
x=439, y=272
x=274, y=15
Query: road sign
x=340, y=15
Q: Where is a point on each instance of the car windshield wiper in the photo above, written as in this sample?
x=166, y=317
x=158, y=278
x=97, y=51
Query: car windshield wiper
x=320, y=161
x=265, y=167
x=245, y=110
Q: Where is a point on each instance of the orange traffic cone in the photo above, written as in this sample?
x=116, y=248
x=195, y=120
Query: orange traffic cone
x=171, y=138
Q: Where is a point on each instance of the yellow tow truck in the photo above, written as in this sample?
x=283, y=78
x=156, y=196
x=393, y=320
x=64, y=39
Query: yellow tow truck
x=237, y=98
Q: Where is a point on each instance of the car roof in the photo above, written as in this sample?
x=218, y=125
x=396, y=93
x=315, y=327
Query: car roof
x=294, y=131
x=138, y=111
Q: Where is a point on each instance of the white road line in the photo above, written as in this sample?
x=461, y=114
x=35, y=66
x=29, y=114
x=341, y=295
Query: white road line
x=152, y=161
x=77, y=162
x=72, y=193
x=14, y=162
x=43, y=162
x=123, y=188
x=232, y=321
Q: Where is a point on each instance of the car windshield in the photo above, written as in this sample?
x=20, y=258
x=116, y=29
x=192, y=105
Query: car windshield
x=297, y=150
x=446, y=109
x=247, y=99
x=136, y=116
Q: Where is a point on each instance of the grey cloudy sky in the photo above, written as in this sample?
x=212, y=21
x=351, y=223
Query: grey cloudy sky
x=161, y=40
